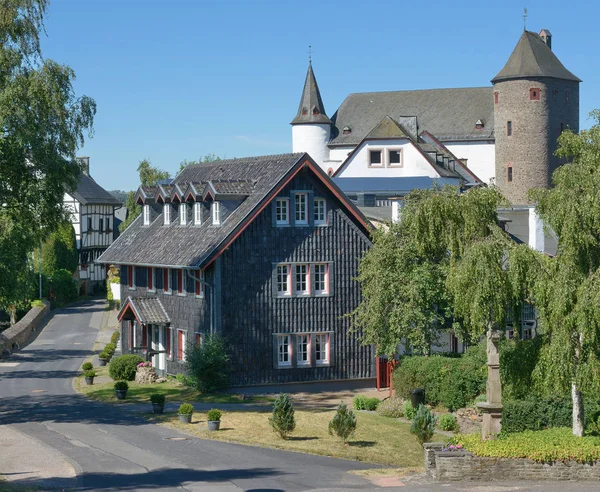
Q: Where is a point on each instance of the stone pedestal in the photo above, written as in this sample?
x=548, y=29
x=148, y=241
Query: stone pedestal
x=492, y=408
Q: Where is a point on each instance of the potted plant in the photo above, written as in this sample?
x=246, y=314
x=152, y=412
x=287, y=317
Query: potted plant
x=87, y=366
x=104, y=358
x=158, y=402
x=121, y=388
x=185, y=413
x=89, y=376
x=214, y=419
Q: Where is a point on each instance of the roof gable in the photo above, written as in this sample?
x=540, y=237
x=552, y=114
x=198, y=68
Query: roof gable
x=90, y=192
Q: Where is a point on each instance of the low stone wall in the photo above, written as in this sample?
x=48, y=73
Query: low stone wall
x=17, y=335
x=449, y=466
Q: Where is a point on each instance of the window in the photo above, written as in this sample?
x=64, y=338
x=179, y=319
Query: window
x=166, y=281
x=375, y=158
x=301, y=208
x=321, y=278
x=284, y=350
x=146, y=215
x=180, y=345
x=199, y=284
x=282, y=211
x=319, y=211
x=145, y=336
x=534, y=94
x=303, y=350
x=150, y=279
x=395, y=158
x=130, y=279
x=107, y=224
x=216, y=213
x=182, y=214
x=101, y=225
x=198, y=213
x=180, y=290
x=167, y=213
x=198, y=340
x=89, y=224
x=301, y=286
x=495, y=98
x=168, y=343
x=508, y=128
x=283, y=286
x=322, y=348
x=509, y=174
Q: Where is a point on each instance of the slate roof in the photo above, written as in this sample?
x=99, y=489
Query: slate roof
x=148, y=310
x=192, y=245
x=450, y=114
x=232, y=187
x=90, y=192
x=532, y=58
x=311, y=108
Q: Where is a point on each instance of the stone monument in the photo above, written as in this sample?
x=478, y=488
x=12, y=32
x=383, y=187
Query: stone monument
x=492, y=408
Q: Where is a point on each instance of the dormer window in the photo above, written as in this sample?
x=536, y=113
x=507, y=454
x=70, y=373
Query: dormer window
x=478, y=125
x=347, y=130
x=146, y=214
x=167, y=213
x=216, y=213
x=197, y=213
x=315, y=111
x=182, y=214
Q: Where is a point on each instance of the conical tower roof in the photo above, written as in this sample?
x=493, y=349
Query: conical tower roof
x=533, y=58
x=311, y=109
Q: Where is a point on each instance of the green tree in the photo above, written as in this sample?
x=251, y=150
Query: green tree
x=282, y=420
x=343, y=423
x=207, y=158
x=59, y=251
x=208, y=364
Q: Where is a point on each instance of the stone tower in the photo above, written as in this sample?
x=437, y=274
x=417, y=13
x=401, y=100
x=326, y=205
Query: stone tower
x=535, y=99
x=311, y=128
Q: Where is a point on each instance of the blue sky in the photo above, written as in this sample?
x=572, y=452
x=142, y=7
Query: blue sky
x=180, y=79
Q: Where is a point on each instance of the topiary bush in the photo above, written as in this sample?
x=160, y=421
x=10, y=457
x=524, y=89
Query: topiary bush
x=208, y=364
x=124, y=367
x=114, y=338
x=408, y=410
x=214, y=415
x=157, y=398
x=448, y=422
x=283, y=421
x=343, y=423
x=423, y=425
x=186, y=409
x=392, y=407
x=86, y=366
x=110, y=348
x=89, y=373
x=121, y=386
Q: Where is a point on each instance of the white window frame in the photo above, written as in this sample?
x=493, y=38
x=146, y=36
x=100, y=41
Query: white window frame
x=389, y=162
x=216, y=213
x=320, y=339
x=298, y=212
x=282, y=205
x=131, y=281
x=301, y=340
x=184, y=346
x=146, y=215
x=324, y=282
x=153, y=274
x=320, y=205
x=301, y=269
x=167, y=214
x=169, y=290
x=382, y=153
x=283, y=280
x=197, y=213
x=284, y=347
x=183, y=214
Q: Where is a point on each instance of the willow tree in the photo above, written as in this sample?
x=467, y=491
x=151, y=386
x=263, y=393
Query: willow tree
x=567, y=293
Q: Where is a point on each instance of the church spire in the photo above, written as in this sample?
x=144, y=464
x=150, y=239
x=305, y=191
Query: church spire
x=311, y=109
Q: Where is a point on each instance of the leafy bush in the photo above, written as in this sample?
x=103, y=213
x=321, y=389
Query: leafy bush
x=423, y=425
x=124, y=367
x=157, y=398
x=448, y=422
x=37, y=303
x=214, y=415
x=479, y=399
x=114, y=338
x=362, y=402
x=121, y=386
x=549, y=445
x=343, y=423
x=89, y=373
x=392, y=407
x=86, y=366
x=186, y=409
x=110, y=348
x=62, y=288
x=283, y=420
x=208, y=364
x=408, y=410
x=452, y=382
x=103, y=355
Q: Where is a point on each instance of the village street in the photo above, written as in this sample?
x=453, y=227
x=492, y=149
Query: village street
x=92, y=446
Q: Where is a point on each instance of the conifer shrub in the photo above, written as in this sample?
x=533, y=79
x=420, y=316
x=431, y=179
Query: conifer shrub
x=208, y=364
x=283, y=421
x=343, y=423
x=124, y=367
x=423, y=425
x=114, y=338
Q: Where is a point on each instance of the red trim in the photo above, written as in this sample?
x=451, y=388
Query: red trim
x=150, y=283
x=198, y=340
x=168, y=343
x=166, y=280
x=318, y=172
x=179, y=345
x=190, y=194
x=125, y=308
x=179, y=281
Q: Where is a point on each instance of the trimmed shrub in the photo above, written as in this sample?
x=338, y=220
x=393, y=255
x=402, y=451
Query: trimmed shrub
x=110, y=348
x=343, y=423
x=283, y=420
x=392, y=407
x=214, y=415
x=208, y=364
x=448, y=422
x=89, y=374
x=186, y=409
x=121, y=386
x=114, y=338
x=86, y=366
x=124, y=367
x=408, y=410
x=362, y=402
x=103, y=355
x=158, y=398
x=423, y=425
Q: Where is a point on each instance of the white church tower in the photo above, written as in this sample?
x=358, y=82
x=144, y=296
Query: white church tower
x=311, y=128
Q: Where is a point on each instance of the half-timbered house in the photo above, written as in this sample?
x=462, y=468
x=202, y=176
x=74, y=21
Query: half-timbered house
x=263, y=250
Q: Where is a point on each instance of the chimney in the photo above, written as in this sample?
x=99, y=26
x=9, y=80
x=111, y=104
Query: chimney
x=547, y=37
x=84, y=164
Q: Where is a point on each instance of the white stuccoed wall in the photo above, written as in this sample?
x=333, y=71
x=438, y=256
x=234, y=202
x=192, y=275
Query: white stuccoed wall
x=481, y=157
x=312, y=138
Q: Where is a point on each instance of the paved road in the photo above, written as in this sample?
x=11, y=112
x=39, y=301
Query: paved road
x=112, y=450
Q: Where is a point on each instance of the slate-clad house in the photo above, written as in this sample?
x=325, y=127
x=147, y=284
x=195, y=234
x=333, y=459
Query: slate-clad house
x=263, y=250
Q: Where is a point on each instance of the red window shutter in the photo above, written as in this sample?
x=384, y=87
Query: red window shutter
x=150, y=286
x=144, y=336
x=198, y=287
x=179, y=344
x=130, y=276
x=179, y=281
x=197, y=339
x=166, y=279
x=168, y=344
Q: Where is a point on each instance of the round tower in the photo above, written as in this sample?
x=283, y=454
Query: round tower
x=535, y=99
x=311, y=128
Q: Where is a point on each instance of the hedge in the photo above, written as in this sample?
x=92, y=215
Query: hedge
x=449, y=381
x=124, y=367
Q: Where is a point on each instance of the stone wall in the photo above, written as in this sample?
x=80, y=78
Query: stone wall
x=452, y=466
x=19, y=334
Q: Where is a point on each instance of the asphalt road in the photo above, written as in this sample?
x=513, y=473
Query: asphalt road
x=112, y=450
